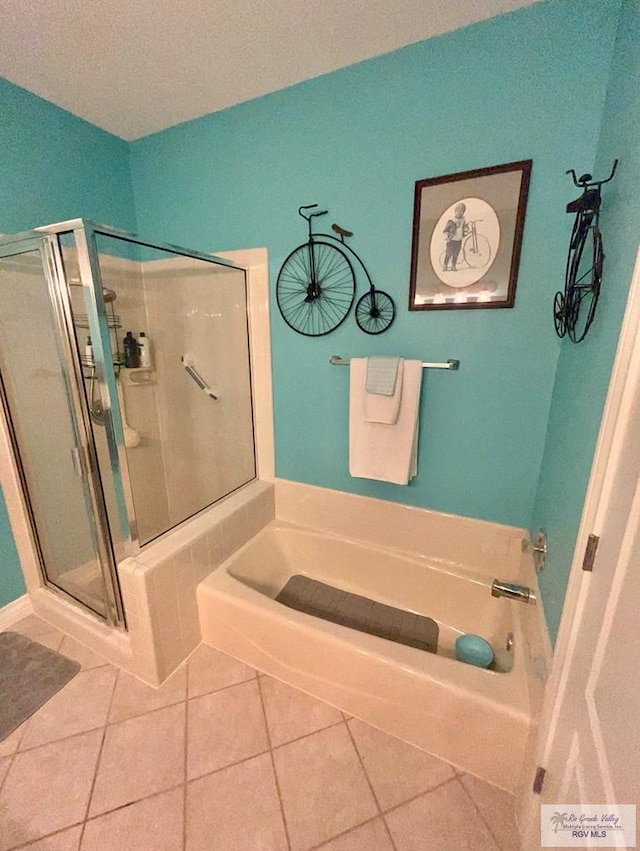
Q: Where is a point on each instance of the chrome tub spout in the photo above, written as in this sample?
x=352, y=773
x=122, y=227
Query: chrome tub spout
x=514, y=592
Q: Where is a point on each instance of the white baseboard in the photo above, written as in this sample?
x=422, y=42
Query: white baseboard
x=15, y=611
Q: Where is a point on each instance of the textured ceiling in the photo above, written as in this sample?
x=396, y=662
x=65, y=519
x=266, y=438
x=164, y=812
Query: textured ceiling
x=135, y=67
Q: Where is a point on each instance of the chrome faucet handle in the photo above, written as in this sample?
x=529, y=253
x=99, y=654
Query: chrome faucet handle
x=512, y=591
x=538, y=548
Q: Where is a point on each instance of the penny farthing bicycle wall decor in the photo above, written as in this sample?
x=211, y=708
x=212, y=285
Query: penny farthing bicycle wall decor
x=575, y=308
x=316, y=285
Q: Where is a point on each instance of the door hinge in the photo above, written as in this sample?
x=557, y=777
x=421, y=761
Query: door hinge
x=590, y=552
x=538, y=781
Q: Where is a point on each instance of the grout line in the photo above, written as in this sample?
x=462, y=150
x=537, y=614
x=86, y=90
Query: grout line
x=410, y=800
x=175, y=702
x=31, y=842
x=364, y=770
x=306, y=735
x=373, y=791
x=186, y=745
x=349, y=830
x=29, y=748
x=99, y=758
x=216, y=690
x=273, y=764
x=480, y=813
x=419, y=795
x=94, y=818
x=230, y=765
x=10, y=759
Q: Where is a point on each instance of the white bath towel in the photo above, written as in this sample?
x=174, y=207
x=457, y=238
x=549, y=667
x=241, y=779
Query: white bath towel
x=381, y=451
x=383, y=390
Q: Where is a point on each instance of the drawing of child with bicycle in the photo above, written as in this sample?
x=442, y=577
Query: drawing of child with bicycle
x=455, y=230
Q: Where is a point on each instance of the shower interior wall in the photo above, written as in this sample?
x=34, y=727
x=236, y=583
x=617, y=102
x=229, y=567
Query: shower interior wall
x=183, y=461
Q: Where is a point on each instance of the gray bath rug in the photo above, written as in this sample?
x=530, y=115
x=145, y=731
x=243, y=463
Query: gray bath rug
x=352, y=610
x=29, y=675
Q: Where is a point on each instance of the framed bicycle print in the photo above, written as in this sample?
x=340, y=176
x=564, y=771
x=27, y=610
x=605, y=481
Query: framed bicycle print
x=467, y=235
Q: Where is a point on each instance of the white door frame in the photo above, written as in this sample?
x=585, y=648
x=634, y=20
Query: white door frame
x=625, y=374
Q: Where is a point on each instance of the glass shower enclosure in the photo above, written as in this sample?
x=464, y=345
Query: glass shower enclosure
x=125, y=384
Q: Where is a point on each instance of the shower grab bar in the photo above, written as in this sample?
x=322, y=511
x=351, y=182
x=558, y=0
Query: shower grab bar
x=193, y=372
x=336, y=360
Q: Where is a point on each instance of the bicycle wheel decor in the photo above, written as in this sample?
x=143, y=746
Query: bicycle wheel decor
x=316, y=285
x=575, y=308
x=375, y=311
x=315, y=288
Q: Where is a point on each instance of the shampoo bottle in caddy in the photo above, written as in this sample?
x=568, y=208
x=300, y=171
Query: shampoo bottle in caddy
x=144, y=349
x=131, y=353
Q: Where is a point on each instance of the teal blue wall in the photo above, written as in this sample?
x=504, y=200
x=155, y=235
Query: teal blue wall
x=11, y=581
x=584, y=370
x=53, y=167
x=529, y=84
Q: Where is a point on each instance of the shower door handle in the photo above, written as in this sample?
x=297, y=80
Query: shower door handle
x=75, y=460
x=193, y=373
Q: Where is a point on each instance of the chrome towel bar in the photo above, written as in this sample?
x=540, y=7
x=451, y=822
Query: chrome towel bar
x=336, y=360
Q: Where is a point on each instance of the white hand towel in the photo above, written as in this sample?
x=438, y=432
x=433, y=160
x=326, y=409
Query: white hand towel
x=382, y=451
x=383, y=374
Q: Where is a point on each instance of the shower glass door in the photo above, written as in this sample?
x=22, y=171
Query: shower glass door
x=43, y=401
x=186, y=406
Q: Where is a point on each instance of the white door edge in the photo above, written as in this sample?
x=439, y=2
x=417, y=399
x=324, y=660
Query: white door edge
x=624, y=377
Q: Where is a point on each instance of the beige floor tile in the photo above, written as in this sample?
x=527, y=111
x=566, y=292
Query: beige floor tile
x=225, y=727
x=32, y=625
x=66, y=840
x=140, y=756
x=88, y=658
x=133, y=697
x=397, y=771
x=236, y=809
x=83, y=704
x=372, y=836
x=155, y=824
x=444, y=819
x=210, y=670
x=47, y=789
x=498, y=809
x=38, y=630
x=10, y=744
x=323, y=787
x=292, y=713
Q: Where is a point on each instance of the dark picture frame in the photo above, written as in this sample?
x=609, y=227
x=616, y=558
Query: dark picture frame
x=467, y=236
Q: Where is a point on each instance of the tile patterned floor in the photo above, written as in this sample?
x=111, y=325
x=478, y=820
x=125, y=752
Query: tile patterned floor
x=223, y=759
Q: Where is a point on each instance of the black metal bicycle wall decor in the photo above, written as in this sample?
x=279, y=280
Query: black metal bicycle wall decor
x=316, y=285
x=575, y=308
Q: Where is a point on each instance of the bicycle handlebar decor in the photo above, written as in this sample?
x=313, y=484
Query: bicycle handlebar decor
x=575, y=308
x=316, y=285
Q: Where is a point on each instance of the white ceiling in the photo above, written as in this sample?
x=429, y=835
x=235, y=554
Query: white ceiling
x=134, y=67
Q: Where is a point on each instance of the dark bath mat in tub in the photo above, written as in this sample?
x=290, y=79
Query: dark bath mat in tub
x=29, y=675
x=352, y=610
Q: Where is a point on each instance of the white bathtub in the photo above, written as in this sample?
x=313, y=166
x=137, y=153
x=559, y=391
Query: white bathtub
x=476, y=719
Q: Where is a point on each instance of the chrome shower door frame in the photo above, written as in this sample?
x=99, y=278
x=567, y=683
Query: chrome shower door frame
x=48, y=246
x=84, y=233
